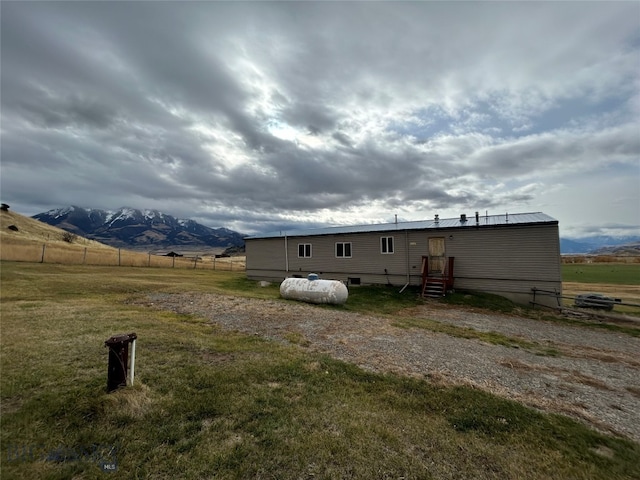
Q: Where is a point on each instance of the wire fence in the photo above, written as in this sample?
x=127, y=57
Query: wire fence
x=62, y=254
x=581, y=301
x=589, y=259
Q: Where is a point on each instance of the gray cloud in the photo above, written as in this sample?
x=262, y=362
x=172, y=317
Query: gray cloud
x=271, y=115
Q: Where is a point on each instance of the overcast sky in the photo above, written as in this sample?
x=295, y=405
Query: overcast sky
x=268, y=116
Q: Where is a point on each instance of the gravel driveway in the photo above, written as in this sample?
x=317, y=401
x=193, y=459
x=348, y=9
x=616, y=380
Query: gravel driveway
x=594, y=378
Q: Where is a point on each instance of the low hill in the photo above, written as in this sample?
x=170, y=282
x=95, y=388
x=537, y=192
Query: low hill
x=598, y=243
x=629, y=249
x=16, y=229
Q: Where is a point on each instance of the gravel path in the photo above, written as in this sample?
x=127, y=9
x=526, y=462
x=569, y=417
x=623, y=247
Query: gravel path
x=595, y=377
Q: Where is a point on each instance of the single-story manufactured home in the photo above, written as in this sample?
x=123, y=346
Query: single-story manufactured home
x=513, y=255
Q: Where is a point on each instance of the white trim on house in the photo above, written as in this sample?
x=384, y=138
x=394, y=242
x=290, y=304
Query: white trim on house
x=344, y=250
x=386, y=245
x=304, y=250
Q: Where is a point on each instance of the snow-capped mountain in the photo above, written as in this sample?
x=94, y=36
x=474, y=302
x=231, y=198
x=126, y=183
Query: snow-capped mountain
x=598, y=244
x=129, y=227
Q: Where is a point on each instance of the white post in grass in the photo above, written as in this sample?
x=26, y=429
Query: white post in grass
x=133, y=360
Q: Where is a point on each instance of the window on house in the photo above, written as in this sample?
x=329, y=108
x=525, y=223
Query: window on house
x=343, y=249
x=304, y=250
x=386, y=244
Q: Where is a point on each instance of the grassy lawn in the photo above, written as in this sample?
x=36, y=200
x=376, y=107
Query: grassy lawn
x=610, y=273
x=209, y=403
x=614, y=280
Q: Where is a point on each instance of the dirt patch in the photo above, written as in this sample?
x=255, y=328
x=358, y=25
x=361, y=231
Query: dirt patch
x=594, y=378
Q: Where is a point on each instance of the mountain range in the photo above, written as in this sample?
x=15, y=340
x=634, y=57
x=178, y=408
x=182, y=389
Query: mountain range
x=602, y=244
x=133, y=228
x=151, y=229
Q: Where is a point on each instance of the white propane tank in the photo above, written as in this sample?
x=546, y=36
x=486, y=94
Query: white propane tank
x=314, y=290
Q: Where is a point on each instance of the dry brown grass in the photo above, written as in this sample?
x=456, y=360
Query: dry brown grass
x=35, y=241
x=600, y=354
x=79, y=255
x=580, y=259
x=630, y=293
x=133, y=402
x=34, y=232
x=569, y=375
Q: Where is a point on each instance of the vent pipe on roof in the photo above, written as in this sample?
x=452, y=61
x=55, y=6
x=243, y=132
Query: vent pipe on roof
x=436, y=219
x=477, y=218
x=463, y=217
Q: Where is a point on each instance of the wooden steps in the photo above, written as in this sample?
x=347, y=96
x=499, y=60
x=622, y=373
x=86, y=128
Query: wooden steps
x=436, y=284
x=434, y=288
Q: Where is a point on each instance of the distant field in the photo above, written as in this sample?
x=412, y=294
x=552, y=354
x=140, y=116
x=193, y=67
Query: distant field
x=611, y=273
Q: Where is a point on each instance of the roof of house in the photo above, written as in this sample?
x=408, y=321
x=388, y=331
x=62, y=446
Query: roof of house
x=483, y=221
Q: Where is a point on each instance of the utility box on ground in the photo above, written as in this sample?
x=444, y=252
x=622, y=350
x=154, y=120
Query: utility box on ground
x=118, y=360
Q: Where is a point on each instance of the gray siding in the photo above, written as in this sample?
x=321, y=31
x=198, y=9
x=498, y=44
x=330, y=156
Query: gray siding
x=508, y=260
x=366, y=257
x=518, y=253
x=265, y=254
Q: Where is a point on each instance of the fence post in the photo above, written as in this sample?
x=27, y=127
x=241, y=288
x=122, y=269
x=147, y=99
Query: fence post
x=84, y=257
x=149, y=261
x=214, y=262
x=44, y=246
x=118, y=257
x=173, y=264
x=195, y=260
x=534, y=290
